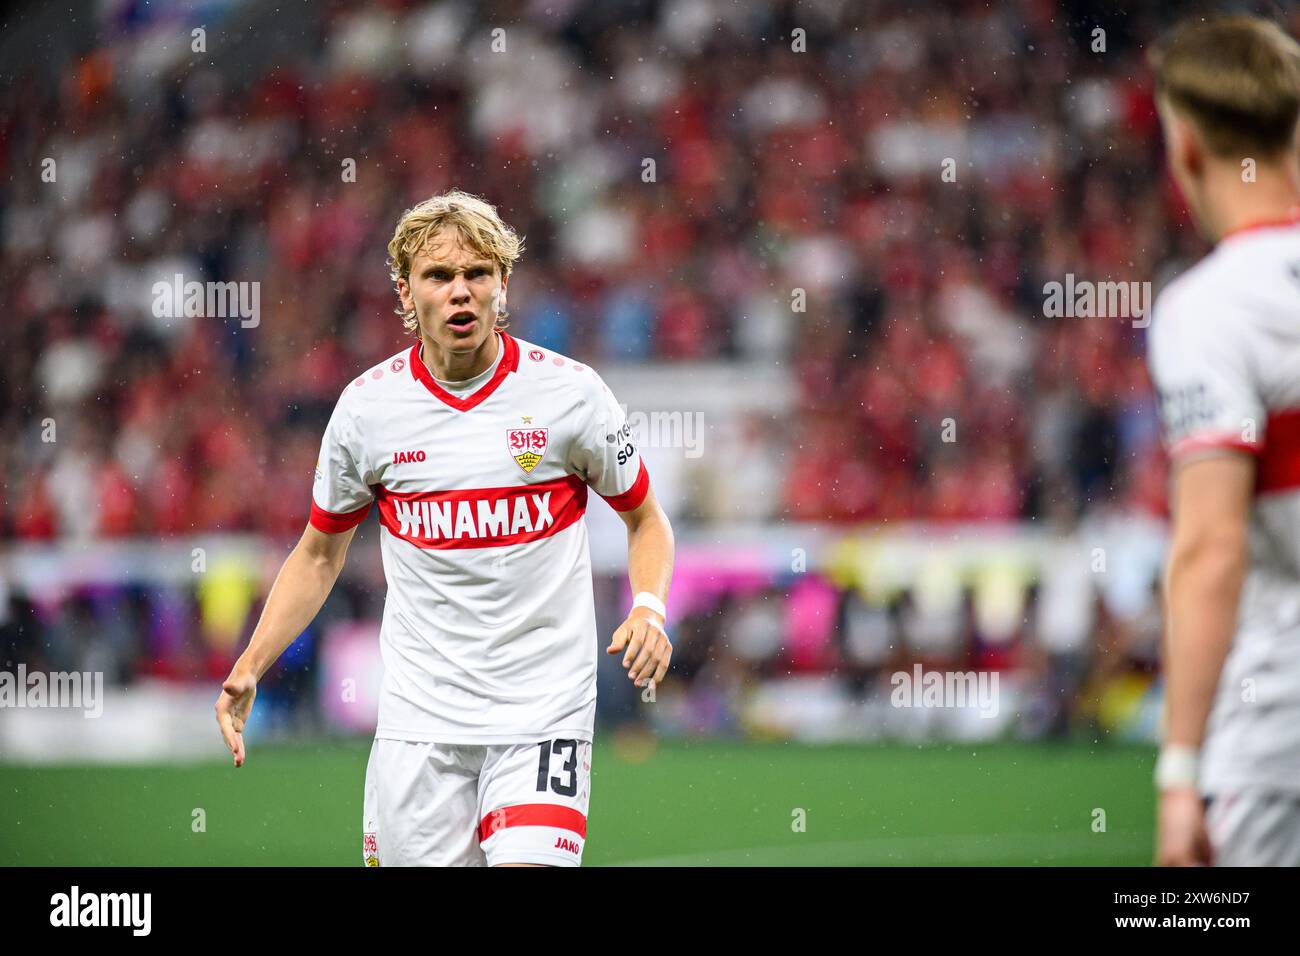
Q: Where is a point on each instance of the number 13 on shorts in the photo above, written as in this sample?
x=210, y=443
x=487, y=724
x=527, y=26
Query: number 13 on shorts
x=535, y=797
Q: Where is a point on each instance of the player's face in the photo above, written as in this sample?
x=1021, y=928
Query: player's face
x=455, y=292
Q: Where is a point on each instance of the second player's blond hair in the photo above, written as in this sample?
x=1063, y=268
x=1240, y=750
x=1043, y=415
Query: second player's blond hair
x=1237, y=80
x=475, y=219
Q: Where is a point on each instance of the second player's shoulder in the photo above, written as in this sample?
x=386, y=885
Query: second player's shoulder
x=1193, y=296
x=1205, y=307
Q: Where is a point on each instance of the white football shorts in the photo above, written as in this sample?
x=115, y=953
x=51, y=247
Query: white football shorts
x=432, y=804
x=1255, y=827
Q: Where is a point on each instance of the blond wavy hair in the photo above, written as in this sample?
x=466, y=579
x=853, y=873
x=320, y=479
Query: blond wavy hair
x=479, y=225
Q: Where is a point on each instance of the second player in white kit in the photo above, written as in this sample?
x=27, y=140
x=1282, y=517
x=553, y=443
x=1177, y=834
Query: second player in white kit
x=1225, y=359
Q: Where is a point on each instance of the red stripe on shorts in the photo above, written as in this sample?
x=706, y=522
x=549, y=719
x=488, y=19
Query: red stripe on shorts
x=533, y=815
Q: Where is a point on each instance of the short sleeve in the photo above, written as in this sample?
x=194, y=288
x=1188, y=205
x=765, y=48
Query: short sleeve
x=1203, y=373
x=341, y=497
x=604, y=453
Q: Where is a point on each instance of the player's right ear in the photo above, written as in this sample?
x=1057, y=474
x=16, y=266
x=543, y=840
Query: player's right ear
x=404, y=293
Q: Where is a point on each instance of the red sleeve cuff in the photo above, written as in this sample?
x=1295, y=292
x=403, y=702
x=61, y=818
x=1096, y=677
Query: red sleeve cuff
x=1193, y=444
x=332, y=523
x=633, y=497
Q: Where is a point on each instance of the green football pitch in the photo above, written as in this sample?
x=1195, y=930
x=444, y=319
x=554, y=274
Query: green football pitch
x=688, y=803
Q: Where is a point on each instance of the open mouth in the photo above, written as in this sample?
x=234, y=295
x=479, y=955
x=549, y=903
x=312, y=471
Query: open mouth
x=462, y=321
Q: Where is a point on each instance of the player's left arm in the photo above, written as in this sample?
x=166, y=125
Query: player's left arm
x=1210, y=500
x=642, y=637
x=604, y=454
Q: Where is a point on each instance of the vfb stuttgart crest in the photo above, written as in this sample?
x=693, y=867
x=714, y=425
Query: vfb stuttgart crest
x=527, y=446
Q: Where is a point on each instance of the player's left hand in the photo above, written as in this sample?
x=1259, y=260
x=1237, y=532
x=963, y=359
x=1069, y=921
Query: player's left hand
x=1181, y=837
x=645, y=644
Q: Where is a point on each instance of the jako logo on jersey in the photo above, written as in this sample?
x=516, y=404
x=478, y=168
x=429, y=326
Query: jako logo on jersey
x=527, y=446
x=562, y=843
x=483, y=517
x=402, y=457
x=536, y=355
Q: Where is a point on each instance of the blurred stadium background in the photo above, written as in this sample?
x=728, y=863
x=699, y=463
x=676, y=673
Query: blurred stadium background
x=157, y=470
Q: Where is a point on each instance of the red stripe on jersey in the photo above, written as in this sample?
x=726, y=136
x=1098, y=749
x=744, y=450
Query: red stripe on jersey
x=1279, y=465
x=483, y=517
x=332, y=523
x=509, y=363
x=633, y=496
x=533, y=815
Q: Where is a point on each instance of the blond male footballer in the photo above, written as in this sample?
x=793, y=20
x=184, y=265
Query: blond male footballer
x=478, y=450
x=1225, y=357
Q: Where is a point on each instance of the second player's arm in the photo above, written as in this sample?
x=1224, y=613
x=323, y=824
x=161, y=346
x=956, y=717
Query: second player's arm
x=642, y=638
x=1207, y=564
x=304, y=581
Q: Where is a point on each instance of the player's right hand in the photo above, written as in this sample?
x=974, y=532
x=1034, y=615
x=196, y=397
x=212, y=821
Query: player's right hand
x=1181, y=837
x=233, y=707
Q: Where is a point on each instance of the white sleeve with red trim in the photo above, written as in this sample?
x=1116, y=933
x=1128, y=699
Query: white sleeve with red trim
x=604, y=454
x=341, y=494
x=1201, y=366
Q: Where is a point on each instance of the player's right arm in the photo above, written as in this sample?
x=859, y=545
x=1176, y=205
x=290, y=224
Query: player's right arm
x=304, y=581
x=341, y=498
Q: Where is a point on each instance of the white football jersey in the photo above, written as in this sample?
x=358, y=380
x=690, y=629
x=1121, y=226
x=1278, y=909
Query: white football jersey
x=489, y=627
x=1225, y=358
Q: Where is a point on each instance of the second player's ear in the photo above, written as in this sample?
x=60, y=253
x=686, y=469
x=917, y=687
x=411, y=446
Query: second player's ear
x=501, y=299
x=1188, y=147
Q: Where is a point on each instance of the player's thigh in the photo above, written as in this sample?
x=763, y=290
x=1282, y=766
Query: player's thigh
x=1255, y=828
x=421, y=805
x=533, y=802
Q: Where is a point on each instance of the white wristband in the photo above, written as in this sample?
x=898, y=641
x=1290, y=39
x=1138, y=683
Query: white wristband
x=646, y=599
x=1177, y=766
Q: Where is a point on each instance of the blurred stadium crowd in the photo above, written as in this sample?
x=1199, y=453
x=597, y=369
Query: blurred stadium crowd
x=775, y=171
